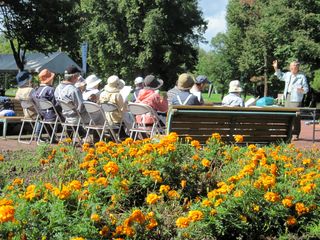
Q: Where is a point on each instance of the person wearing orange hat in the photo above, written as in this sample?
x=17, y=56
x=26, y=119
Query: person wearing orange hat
x=46, y=92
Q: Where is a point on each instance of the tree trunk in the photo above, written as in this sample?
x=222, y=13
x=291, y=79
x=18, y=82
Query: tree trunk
x=19, y=59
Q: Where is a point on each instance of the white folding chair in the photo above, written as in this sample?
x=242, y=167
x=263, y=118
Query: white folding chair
x=109, y=108
x=45, y=105
x=75, y=126
x=141, y=109
x=98, y=120
x=29, y=105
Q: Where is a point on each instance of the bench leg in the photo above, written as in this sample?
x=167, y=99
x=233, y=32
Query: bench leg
x=4, y=130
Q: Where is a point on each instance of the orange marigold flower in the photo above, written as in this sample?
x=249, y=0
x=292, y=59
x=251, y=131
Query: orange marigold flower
x=152, y=224
x=205, y=162
x=238, y=193
x=173, y=194
x=216, y=136
x=95, y=217
x=182, y=222
x=1, y=158
x=291, y=220
x=213, y=212
x=152, y=198
x=111, y=168
x=287, y=201
x=138, y=216
x=195, y=215
x=308, y=188
x=206, y=203
x=301, y=208
x=238, y=138
x=102, y=181
x=6, y=213
x=17, y=181
x=75, y=185
x=271, y=197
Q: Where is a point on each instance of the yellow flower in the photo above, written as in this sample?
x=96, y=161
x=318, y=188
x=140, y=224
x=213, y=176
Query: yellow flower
x=308, y=188
x=271, y=197
x=183, y=183
x=95, y=217
x=256, y=208
x=195, y=215
x=77, y=238
x=205, y=162
x=291, y=220
x=152, y=198
x=182, y=222
x=243, y=218
x=238, y=138
x=213, y=212
x=218, y=202
x=164, y=188
x=206, y=203
x=102, y=181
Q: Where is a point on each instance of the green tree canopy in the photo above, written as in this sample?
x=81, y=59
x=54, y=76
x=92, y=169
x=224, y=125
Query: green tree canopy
x=135, y=37
x=39, y=25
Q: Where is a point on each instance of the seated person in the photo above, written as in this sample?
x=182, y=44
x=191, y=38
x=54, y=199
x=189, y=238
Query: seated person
x=233, y=99
x=46, y=92
x=183, y=95
x=138, y=82
x=81, y=84
x=198, y=87
x=92, y=88
x=172, y=93
x=150, y=96
x=25, y=91
x=67, y=91
x=111, y=94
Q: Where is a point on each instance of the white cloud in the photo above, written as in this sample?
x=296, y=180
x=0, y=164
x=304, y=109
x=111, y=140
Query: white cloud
x=215, y=14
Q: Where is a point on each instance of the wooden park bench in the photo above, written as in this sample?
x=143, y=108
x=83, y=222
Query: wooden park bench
x=256, y=125
x=12, y=119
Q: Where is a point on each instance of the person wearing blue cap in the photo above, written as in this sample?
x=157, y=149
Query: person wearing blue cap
x=200, y=84
x=25, y=91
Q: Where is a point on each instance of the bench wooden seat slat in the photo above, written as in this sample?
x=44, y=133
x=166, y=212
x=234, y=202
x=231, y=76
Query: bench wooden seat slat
x=257, y=125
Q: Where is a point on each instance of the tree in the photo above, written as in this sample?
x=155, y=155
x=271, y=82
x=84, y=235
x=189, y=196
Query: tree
x=135, y=37
x=39, y=25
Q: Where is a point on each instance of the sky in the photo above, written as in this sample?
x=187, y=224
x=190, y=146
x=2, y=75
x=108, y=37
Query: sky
x=214, y=11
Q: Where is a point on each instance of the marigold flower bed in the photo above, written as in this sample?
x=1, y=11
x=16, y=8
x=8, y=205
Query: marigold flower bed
x=169, y=188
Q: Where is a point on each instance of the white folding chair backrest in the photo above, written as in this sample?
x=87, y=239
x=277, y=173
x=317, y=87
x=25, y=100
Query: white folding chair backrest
x=94, y=110
x=67, y=106
x=108, y=107
x=140, y=109
x=26, y=104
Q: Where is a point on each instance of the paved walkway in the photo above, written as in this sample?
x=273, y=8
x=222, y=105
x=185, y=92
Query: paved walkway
x=304, y=142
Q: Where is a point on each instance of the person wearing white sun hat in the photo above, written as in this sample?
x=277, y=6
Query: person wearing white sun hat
x=92, y=88
x=138, y=82
x=111, y=94
x=233, y=99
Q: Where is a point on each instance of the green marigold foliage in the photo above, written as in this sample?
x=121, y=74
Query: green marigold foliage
x=169, y=188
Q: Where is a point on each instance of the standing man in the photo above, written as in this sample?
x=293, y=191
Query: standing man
x=296, y=86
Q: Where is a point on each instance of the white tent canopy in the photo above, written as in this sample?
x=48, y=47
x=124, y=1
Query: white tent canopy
x=55, y=62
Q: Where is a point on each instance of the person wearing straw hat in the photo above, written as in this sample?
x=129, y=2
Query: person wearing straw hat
x=92, y=92
x=111, y=94
x=25, y=91
x=183, y=95
x=233, y=99
x=150, y=95
x=200, y=84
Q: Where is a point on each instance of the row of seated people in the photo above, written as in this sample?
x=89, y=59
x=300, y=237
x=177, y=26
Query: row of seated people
x=186, y=92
